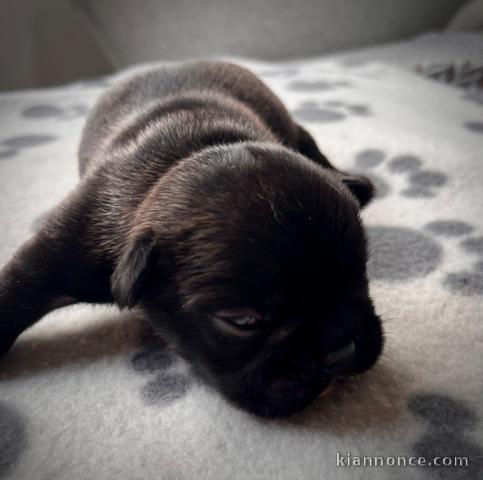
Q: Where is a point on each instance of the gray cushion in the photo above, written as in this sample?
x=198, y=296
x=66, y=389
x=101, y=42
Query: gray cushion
x=150, y=30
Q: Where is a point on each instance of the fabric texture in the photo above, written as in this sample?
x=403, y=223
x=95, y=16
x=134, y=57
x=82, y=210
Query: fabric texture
x=433, y=48
x=87, y=393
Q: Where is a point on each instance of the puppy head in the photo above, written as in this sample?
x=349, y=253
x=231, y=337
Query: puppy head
x=253, y=260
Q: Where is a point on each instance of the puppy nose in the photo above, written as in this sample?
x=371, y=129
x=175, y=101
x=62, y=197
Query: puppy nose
x=339, y=361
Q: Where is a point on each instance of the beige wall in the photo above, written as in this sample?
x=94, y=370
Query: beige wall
x=49, y=42
x=147, y=30
x=46, y=42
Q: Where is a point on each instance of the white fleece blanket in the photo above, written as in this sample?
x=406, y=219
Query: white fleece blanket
x=87, y=394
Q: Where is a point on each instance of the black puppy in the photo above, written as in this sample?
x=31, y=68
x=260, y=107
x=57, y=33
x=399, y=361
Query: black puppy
x=204, y=204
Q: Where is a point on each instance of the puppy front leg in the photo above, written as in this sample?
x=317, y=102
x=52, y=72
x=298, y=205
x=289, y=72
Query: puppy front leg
x=46, y=273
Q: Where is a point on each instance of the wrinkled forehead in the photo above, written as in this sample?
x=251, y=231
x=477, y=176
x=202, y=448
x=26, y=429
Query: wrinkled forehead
x=252, y=172
x=256, y=227
x=295, y=267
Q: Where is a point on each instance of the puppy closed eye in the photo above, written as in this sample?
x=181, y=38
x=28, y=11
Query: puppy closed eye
x=238, y=321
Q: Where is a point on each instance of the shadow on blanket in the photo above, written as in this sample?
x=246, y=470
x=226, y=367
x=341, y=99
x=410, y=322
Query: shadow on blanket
x=358, y=403
x=104, y=334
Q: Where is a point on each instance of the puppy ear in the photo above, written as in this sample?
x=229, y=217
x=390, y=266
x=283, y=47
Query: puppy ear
x=132, y=269
x=361, y=187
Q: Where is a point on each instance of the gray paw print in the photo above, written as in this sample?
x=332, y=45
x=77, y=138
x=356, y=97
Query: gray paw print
x=474, y=126
x=9, y=147
x=470, y=281
x=165, y=384
x=56, y=112
x=449, y=424
x=13, y=438
x=330, y=111
x=402, y=253
x=420, y=182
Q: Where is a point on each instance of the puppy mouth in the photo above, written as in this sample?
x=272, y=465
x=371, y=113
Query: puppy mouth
x=291, y=393
x=292, y=378
x=327, y=390
x=286, y=397
x=335, y=364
